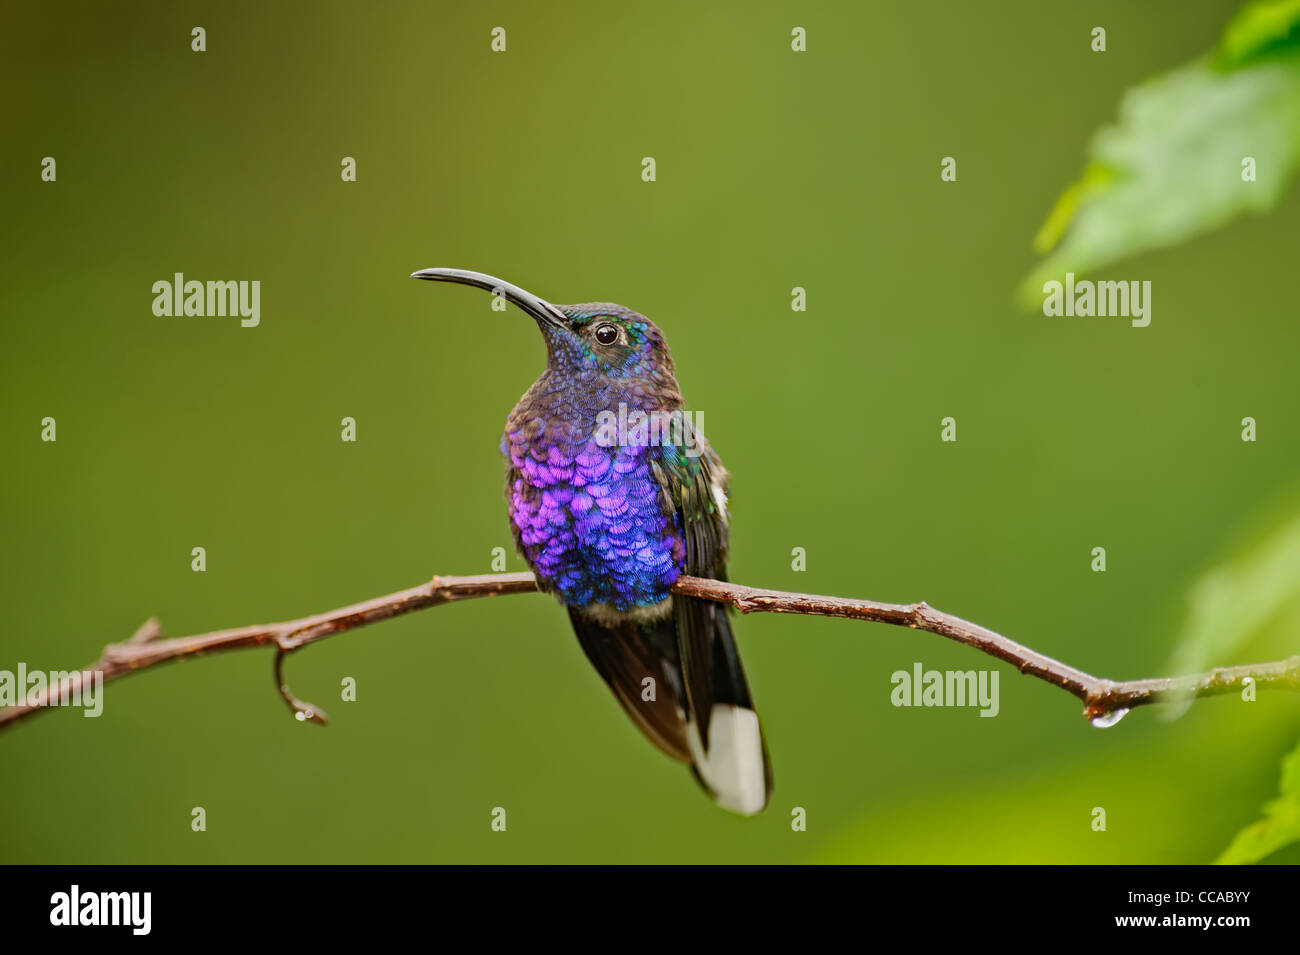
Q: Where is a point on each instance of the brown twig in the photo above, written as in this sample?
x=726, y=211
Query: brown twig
x=1101, y=698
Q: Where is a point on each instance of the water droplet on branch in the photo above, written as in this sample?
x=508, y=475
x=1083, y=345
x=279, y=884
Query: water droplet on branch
x=1107, y=720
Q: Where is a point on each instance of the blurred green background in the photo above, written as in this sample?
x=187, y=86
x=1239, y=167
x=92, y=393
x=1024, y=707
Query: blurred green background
x=775, y=170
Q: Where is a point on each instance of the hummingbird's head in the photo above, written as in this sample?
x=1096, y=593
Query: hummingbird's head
x=597, y=337
x=612, y=339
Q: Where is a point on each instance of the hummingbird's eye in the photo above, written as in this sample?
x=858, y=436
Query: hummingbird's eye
x=606, y=334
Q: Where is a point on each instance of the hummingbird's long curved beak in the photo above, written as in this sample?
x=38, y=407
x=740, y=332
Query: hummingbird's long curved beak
x=540, y=309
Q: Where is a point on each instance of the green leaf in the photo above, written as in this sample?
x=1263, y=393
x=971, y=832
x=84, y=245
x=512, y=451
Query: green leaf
x=1280, y=826
x=1257, y=28
x=1171, y=167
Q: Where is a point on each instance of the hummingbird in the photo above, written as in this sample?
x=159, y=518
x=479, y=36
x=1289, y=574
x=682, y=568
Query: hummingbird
x=608, y=514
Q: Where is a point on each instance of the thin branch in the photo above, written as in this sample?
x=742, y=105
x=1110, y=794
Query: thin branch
x=1101, y=698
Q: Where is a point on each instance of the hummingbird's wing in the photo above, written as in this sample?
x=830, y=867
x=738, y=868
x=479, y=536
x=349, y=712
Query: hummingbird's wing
x=728, y=754
x=626, y=652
